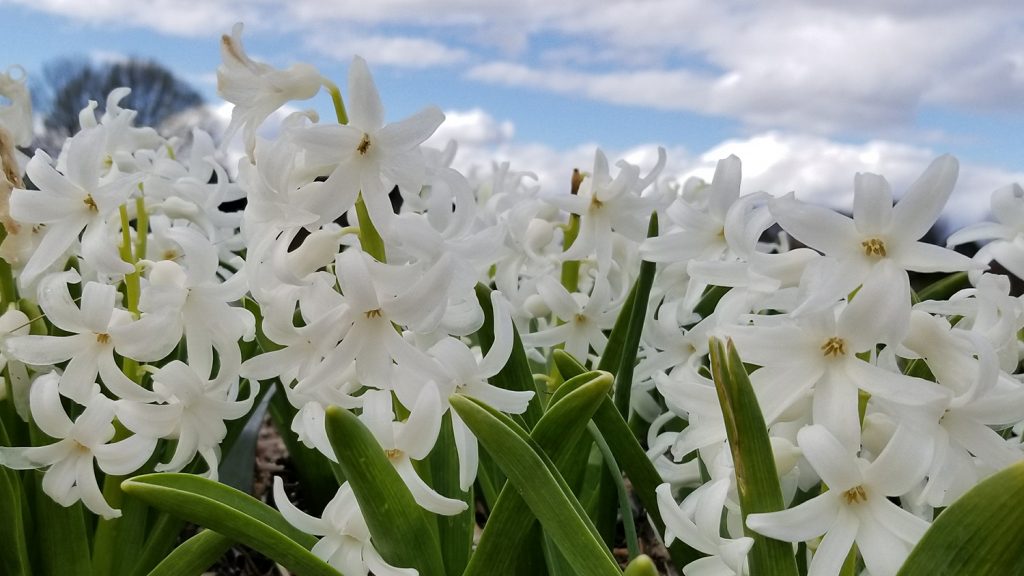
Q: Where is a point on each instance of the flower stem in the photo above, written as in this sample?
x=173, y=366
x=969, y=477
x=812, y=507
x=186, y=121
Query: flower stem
x=339, y=104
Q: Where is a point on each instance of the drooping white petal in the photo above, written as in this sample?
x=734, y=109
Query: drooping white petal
x=426, y=496
x=800, y=523
x=294, y=516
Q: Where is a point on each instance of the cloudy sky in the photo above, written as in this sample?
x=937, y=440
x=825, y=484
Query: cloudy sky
x=805, y=92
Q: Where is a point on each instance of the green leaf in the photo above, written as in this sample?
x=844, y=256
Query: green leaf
x=945, y=287
x=516, y=374
x=233, y=514
x=236, y=468
x=194, y=555
x=981, y=534
x=510, y=538
x=14, y=558
x=756, y=479
x=537, y=480
x=403, y=533
x=455, y=532
x=62, y=542
x=631, y=458
x=634, y=328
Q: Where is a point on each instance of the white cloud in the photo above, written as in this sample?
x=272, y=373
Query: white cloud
x=818, y=169
x=398, y=51
x=175, y=17
x=472, y=128
x=803, y=65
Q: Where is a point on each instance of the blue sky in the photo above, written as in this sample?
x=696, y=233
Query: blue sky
x=806, y=93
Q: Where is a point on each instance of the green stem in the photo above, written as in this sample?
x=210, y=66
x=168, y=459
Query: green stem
x=142, y=228
x=131, y=280
x=339, y=104
x=8, y=289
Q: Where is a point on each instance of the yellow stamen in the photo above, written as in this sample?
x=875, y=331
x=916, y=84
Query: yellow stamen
x=855, y=495
x=103, y=338
x=90, y=203
x=874, y=247
x=834, y=346
x=375, y=313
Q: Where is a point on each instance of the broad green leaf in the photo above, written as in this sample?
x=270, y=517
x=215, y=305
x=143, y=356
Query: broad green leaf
x=233, y=514
x=981, y=534
x=403, y=532
x=534, y=476
x=194, y=556
x=756, y=479
x=516, y=374
x=509, y=538
x=631, y=458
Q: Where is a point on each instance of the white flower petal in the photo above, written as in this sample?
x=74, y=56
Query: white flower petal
x=294, y=516
x=815, y=226
x=902, y=464
x=835, y=463
x=919, y=208
x=872, y=204
x=835, y=546
x=365, y=110
x=800, y=523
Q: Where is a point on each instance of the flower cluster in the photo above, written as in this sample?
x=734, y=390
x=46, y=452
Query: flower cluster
x=377, y=278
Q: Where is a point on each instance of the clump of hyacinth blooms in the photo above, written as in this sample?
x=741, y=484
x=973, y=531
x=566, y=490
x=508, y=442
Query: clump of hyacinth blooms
x=143, y=319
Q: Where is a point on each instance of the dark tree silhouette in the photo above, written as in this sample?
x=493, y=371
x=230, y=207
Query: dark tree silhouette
x=67, y=85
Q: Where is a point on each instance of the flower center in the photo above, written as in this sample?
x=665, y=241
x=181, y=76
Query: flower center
x=855, y=495
x=364, y=144
x=874, y=247
x=392, y=453
x=90, y=203
x=580, y=319
x=103, y=338
x=834, y=346
x=375, y=313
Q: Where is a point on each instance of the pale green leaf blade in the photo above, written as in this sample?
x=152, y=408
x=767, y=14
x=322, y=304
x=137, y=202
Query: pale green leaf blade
x=233, y=514
x=194, y=556
x=402, y=532
x=756, y=477
x=981, y=534
x=535, y=478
